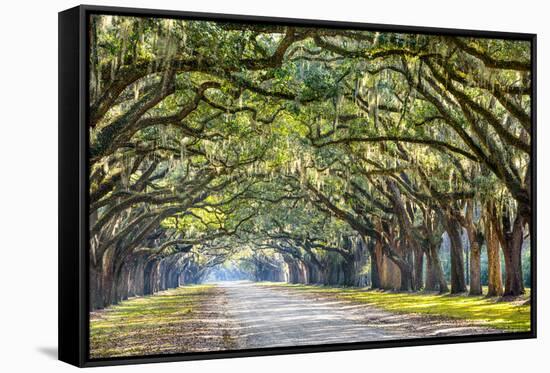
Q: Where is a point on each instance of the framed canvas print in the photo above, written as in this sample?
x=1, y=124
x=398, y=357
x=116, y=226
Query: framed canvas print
x=236, y=186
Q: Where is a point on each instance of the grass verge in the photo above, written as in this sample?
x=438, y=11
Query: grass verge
x=512, y=316
x=147, y=325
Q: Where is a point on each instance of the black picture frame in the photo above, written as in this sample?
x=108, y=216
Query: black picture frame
x=73, y=185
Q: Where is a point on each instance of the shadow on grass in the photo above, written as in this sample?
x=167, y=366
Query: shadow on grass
x=509, y=315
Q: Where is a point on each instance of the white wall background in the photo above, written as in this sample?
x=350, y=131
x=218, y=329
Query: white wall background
x=28, y=187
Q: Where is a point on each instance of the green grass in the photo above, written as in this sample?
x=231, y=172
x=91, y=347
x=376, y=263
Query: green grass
x=480, y=310
x=140, y=325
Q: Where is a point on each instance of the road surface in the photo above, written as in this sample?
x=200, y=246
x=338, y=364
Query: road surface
x=263, y=316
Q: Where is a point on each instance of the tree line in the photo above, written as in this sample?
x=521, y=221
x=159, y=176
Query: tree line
x=306, y=154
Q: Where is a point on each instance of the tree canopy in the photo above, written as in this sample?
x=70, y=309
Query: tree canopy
x=308, y=154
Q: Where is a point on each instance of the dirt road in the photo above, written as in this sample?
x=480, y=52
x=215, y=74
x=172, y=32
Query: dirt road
x=269, y=317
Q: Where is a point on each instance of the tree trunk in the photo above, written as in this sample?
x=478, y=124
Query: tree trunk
x=374, y=269
x=436, y=276
x=430, y=282
x=122, y=283
x=475, y=270
x=418, y=268
x=475, y=252
x=406, y=278
x=148, y=277
x=406, y=269
x=408, y=273
x=511, y=246
x=493, y=257
x=454, y=230
x=96, y=288
x=347, y=270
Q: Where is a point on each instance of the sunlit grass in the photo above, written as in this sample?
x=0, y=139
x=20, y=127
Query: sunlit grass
x=134, y=326
x=490, y=312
